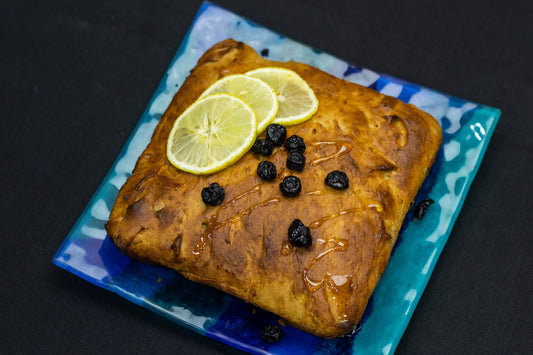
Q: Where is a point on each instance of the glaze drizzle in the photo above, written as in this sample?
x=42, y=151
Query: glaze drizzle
x=213, y=224
x=322, y=220
x=339, y=245
x=342, y=148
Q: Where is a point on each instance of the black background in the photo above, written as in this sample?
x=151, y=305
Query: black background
x=77, y=75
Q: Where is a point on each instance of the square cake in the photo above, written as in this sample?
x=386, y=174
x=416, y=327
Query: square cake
x=385, y=147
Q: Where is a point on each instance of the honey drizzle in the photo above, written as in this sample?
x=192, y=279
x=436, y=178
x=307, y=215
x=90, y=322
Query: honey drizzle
x=238, y=197
x=322, y=220
x=343, y=149
x=317, y=192
x=250, y=209
x=312, y=286
x=200, y=245
x=286, y=248
x=338, y=291
x=214, y=225
x=285, y=174
x=378, y=206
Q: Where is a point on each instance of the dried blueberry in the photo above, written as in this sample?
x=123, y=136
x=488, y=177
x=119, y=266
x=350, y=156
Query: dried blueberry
x=337, y=179
x=296, y=162
x=264, y=52
x=422, y=207
x=213, y=194
x=290, y=186
x=295, y=144
x=272, y=333
x=263, y=146
x=266, y=171
x=299, y=234
x=276, y=133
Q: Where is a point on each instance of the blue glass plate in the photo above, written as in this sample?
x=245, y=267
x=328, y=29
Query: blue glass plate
x=467, y=128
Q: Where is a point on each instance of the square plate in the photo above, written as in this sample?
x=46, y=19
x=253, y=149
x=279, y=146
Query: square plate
x=467, y=128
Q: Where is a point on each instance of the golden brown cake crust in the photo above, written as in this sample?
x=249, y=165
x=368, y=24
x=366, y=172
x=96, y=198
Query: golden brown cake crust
x=386, y=148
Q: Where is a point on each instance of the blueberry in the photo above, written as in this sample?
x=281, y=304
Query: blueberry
x=263, y=146
x=299, y=234
x=337, y=180
x=213, y=194
x=422, y=207
x=266, y=171
x=290, y=186
x=264, y=52
x=276, y=133
x=271, y=333
x=296, y=162
x=295, y=144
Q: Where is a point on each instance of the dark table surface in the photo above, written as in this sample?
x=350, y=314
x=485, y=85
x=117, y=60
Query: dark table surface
x=77, y=75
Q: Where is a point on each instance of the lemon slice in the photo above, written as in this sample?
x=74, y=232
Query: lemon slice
x=211, y=134
x=256, y=93
x=297, y=101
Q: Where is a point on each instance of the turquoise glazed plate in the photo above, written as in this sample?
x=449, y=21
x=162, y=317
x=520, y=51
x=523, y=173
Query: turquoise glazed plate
x=467, y=128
